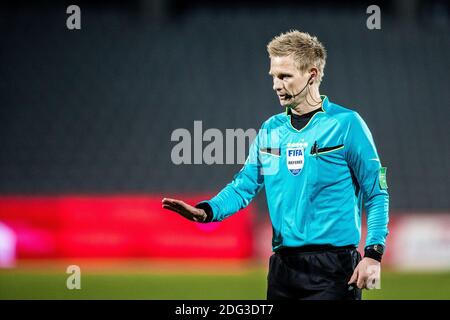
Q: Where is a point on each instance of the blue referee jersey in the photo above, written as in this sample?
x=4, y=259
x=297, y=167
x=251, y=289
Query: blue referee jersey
x=316, y=180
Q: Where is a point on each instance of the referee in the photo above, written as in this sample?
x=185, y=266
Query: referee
x=318, y=164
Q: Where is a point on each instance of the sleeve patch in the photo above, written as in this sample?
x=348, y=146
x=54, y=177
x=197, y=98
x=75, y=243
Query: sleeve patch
x=382, y=178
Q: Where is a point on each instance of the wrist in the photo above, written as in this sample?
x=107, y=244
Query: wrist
x=206, y=210
x=374, y=252
x=204, y=216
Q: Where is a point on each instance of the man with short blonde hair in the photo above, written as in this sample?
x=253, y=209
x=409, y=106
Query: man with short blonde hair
x=327, y=167
x=306, y=50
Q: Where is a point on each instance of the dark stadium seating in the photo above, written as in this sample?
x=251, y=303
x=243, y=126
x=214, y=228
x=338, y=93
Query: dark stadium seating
x=92, y=111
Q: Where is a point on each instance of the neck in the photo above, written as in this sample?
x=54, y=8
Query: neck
x=309, y=101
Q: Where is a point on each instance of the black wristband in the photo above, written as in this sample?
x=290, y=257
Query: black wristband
x=374, y=252
x=208, y=210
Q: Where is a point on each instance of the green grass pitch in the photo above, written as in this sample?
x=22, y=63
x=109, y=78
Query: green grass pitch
x=247, y=284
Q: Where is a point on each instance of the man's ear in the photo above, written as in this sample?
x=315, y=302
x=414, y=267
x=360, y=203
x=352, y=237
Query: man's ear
x=313, y=75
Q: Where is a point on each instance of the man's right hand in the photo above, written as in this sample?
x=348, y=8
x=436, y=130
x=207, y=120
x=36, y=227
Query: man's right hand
x=184, y=209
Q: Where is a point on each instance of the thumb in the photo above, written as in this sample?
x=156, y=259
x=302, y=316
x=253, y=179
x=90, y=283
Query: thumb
x=354, y=276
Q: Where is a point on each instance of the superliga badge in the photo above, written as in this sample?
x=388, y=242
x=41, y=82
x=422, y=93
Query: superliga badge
x=295, y=158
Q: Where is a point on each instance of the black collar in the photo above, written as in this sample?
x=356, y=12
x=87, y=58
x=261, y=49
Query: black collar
x=306, y=115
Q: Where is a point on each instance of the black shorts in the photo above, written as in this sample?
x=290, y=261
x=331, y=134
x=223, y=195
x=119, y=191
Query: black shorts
x=313, y=273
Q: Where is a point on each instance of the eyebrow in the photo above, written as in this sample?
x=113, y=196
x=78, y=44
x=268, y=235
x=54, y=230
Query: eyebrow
x=281, y=74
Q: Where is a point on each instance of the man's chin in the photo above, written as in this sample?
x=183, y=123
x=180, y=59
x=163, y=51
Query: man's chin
x=284, y=104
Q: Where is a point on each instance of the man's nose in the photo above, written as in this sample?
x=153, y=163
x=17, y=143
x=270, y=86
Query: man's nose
x=277, y=84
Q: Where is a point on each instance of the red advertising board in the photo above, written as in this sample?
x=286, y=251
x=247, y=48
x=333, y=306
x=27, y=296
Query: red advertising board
x=120, y=226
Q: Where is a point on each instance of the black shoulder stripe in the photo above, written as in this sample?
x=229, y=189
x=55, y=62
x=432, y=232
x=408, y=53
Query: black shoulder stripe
x=274, y=151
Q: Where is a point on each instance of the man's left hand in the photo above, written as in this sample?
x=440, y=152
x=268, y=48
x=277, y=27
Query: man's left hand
x=366, y=274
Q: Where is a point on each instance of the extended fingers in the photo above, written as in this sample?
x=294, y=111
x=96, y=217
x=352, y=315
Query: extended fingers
x=175, y=202
x=178, y=207
x=169, y=200
x=171, y=207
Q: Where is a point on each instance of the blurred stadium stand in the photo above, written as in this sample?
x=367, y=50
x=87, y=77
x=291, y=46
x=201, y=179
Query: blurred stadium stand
x=91, y=112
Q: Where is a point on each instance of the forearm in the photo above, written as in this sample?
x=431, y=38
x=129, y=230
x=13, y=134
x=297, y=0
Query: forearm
x=377, y=210
x=224, y=204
